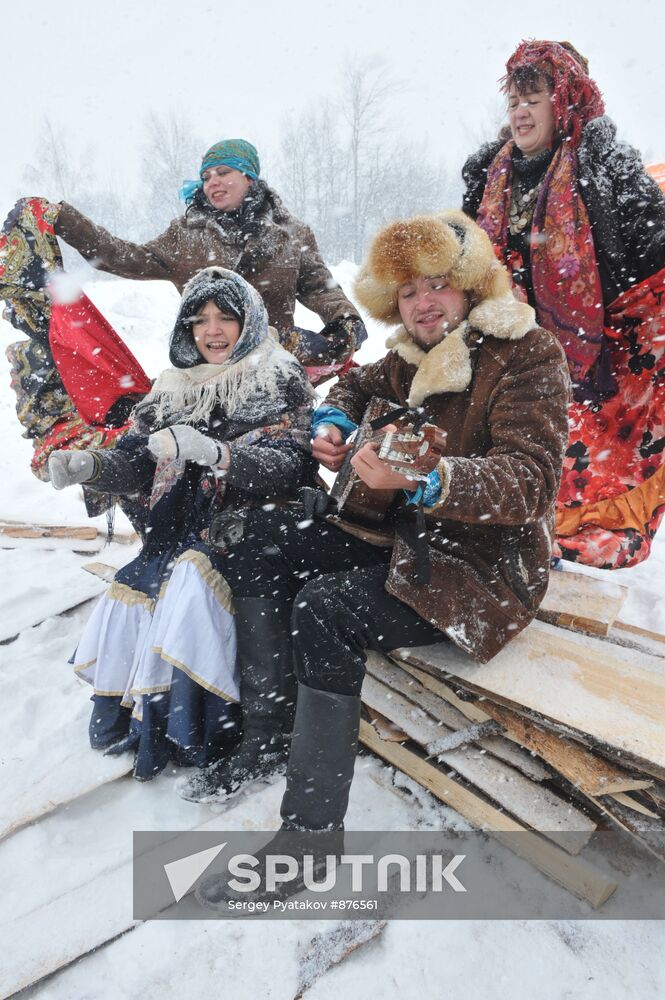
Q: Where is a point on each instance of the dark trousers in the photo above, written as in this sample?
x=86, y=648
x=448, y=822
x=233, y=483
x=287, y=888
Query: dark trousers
x=336, y=583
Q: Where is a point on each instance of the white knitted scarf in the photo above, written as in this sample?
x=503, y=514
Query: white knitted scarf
x=251, y=386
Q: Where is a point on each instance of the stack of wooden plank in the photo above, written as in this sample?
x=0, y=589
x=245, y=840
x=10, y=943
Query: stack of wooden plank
x=561, y=734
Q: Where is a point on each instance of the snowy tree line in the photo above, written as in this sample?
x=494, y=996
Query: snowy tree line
x=344, y=171
x=339, y=166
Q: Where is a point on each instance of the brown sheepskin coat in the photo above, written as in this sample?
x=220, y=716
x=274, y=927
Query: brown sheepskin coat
x=281, y=260
x=503, y=404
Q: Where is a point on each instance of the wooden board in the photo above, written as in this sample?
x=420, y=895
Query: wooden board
x=396, y=677
x=470, y=708
x=74, y=923
x=574, y=874
x=648, y=830
x=91, y=545
x=592, y=775
x=101, y=570
x=536, y=807
x=442, y=711
x=44, y=584
x=597, y=692
x=27, y=529
x=386, y=729
x=655, y=640
x=582, y=603
x=332, y=947
x=657, y=795
x=46, y=531
x=73, y=770
x=635, y=804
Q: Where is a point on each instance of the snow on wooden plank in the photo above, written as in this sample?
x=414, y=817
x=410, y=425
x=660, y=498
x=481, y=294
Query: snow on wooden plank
x=67, y=928
x=29, y=529
x=582, y=603
x=101, y=570
x=72, y=924
x=603, y=694
x=70, y=770
x=645, y=639
x=391, y=674
x=441, y=710
x=333, y=946
x=48, y=544
x=42, y=584
x=46, y=531
x=591, y=774
x=609, y=776
x=475, y=733
x=574, y=874
x=537, y=807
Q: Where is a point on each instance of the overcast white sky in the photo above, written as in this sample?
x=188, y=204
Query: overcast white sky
x=239, y=68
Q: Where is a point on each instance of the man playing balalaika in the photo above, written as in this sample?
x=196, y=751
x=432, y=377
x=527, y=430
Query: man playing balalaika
x=463, y=551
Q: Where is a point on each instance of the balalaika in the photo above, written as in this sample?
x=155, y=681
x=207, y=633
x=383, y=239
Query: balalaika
x=413, y=450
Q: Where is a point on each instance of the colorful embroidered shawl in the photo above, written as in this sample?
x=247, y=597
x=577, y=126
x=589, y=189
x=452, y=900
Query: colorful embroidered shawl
x=566, y=282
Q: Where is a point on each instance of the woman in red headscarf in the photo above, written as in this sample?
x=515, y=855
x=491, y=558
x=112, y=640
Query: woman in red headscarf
x=582, y=226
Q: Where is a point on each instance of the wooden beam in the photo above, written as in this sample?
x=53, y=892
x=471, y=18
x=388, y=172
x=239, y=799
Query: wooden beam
x=574, y=874
x=591, y=774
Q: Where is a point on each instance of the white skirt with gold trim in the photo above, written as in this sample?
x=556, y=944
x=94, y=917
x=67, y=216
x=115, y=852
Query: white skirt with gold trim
x=131, y=643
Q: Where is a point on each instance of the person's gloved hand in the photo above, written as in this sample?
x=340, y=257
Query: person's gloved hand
x=186, y=443
x=347, y=334
x=66, y=468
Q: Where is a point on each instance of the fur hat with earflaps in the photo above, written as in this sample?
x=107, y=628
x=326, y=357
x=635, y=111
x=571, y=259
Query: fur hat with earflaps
x=448, y=245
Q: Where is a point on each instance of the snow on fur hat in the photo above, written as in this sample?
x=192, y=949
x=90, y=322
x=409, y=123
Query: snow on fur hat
x=448, y=244
x=230, y=293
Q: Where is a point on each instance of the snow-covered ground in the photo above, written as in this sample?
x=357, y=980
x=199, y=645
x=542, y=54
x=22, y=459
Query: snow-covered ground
x=44, y=718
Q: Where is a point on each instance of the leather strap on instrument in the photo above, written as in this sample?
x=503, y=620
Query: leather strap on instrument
x=418, y=413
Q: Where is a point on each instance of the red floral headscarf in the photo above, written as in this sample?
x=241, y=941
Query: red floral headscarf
x=577, y=98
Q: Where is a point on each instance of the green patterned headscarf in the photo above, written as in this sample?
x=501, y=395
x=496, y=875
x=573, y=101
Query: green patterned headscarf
x=235, y=153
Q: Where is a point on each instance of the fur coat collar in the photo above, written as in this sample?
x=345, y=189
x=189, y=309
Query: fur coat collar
x=447, y=366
